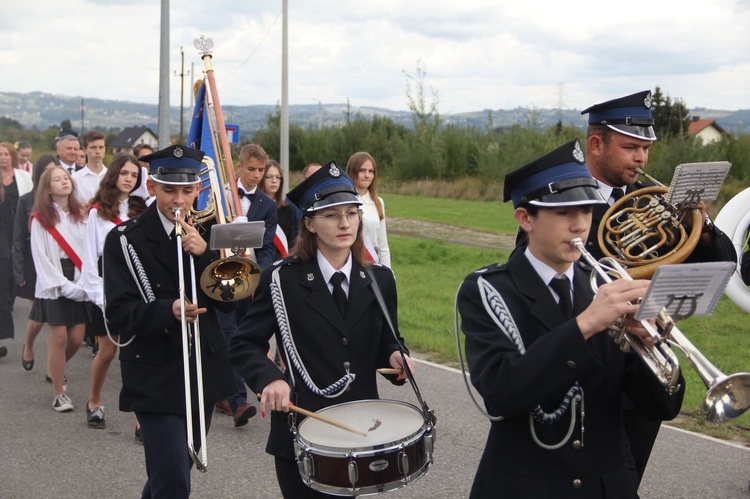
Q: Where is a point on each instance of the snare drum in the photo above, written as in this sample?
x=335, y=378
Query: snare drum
x=396, y=451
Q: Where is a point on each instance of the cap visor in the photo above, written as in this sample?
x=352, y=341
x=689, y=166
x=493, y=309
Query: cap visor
x=336, y=199
x=579, y=196
x=638, y=132
x=176, y=178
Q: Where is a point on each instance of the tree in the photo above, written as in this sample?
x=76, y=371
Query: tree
x=423, y=119
x=671, y=118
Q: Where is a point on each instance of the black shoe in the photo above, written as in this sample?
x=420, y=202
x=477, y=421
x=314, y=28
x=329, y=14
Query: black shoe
x=243, y=413
x=27, y=364
x=95, y=417
x=3, y=352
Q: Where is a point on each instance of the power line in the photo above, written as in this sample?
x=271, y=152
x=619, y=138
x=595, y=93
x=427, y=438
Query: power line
x=255, y=49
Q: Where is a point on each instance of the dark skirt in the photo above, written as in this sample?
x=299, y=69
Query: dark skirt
x=61, y=311
x=96, y=321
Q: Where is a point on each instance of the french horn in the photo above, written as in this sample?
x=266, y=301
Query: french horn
x=734, y=221
x=642, y=231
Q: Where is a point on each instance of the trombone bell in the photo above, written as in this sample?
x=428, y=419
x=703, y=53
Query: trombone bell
x=230, y=279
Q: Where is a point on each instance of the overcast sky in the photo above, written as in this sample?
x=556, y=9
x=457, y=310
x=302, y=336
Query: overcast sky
x=478, y=54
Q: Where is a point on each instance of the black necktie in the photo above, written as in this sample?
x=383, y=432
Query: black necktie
x=617, y=194
x=339, y=296
x=561, y=285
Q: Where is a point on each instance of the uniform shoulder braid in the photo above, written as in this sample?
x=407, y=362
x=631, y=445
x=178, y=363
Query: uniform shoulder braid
x=492, y=268
x=289, y=260
x=127, y=225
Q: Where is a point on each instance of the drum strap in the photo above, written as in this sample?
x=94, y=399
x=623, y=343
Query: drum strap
x=428, y=413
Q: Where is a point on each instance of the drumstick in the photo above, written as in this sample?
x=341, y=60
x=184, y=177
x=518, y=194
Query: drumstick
x=324, y=419
x=390, y=370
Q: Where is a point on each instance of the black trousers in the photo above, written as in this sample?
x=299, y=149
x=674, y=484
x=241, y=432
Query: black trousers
x=168, y=462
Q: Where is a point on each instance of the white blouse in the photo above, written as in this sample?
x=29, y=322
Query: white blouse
x=97, y=229
x=374, y=228
x=47, y=254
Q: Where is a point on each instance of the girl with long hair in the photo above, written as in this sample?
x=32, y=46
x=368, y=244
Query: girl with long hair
x=272, y=186
x=324, y=305
x=362, y=169
x=57, y=231
x=23, y=262
x=111, y=205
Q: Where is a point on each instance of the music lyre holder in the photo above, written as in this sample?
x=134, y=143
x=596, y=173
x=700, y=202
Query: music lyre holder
x=696, y=182
x=685, y=290
x=237, y=235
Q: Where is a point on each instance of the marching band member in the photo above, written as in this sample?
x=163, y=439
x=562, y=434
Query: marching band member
x=57, y=230
x=536, y=355
x=619, y=137
x=145, y=303
x=330, y=314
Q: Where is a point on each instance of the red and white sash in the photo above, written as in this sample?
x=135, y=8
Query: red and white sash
x=61, y=241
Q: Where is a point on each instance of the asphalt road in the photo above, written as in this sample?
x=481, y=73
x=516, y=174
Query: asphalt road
x=49, y=454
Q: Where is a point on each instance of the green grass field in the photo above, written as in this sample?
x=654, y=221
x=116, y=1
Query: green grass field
x=429, y=272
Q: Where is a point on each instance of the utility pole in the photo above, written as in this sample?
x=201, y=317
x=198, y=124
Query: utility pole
x=164, y=132
x=83, y=130
x=284, y=125
x=182, y=93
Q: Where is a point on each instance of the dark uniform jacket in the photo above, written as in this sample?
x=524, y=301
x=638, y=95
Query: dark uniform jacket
x=557, y=356
x=721, y=251
x=325, y=340
x=264, y=208
x=152, y=374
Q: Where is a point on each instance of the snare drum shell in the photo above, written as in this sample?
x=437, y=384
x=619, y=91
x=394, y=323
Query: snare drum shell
x=378, y=466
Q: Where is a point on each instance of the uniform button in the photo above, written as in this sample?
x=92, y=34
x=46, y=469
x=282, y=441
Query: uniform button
x=577, y=483
x=576, y=444
x=158, y=285
x=571, y=364
x=167, y=331
x=344, y=341
x=347, y=365
x=137, y=356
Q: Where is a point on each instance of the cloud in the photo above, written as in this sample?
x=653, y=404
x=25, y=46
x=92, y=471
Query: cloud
x=478, y=55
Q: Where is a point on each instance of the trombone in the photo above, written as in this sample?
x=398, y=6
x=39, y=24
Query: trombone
x=728, y=396
x=200, y=458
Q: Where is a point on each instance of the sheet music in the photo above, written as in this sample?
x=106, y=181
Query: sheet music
x=695, y=182
x=237, y=235
x=686, y=289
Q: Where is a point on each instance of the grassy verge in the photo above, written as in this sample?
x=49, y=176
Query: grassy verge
x=429, y=273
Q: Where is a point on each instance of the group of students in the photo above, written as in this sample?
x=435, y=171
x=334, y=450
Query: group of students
x=532, y=325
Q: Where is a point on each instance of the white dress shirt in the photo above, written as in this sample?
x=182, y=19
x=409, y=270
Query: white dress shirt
x=374, y=228
x=87, y=183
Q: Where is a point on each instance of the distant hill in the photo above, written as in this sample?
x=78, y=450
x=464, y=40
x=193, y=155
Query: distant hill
x=41, y=110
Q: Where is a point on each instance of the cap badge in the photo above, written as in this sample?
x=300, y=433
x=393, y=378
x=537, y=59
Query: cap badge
x=647, y=101
x=362, y=274
x=578, y=152
x=334, y=171
x=178, y=152
x=310, y=276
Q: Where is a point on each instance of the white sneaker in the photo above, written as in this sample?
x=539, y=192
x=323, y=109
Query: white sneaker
x=62, y=403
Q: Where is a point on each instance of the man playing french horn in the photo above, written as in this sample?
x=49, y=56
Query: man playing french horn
x=619, y=136
x=537, y=356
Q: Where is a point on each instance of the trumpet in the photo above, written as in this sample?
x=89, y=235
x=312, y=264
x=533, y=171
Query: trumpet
x=199, y=458
x=728, y=396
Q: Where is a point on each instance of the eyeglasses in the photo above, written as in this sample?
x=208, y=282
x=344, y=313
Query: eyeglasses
x=274, y=177
x=333, y=218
